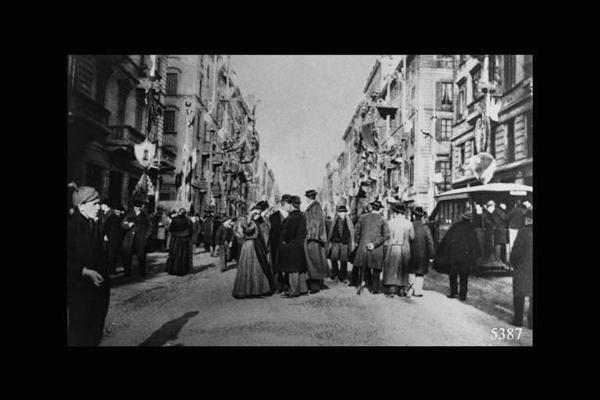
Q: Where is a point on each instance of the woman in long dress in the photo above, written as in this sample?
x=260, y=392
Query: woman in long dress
x=251, y=279
x=180, y=248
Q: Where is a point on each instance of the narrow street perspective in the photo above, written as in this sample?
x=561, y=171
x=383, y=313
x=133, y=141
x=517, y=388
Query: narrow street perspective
x=300, y=200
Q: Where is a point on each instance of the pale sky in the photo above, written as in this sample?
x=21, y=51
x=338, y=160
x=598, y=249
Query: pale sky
x=306, y=103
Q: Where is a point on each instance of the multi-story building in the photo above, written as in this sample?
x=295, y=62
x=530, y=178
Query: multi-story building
x=107, y=115
x=509, y=139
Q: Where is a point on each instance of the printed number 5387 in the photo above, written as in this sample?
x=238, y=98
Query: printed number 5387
x=508, y=333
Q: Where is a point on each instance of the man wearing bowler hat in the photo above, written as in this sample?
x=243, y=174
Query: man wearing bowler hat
x=291, y=257
x=137, y=225
x=276, y=220
x=88, y=282
x=371, y=234
x=316, y=238
x=341, y=242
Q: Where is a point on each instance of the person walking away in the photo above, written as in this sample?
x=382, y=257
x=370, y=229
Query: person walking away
x=422, y=251
x=251, y=278
x=340, y=238
x=516, y=220
x=316, y=238
x=208, y=233
x=88, y=281
x=291, y=257
x=457, y=254
x=161, y=233
x=276, y=221
x=137, y=226
x=114, y=232
x=196, y=227
x=372, y=232
x=223, y=239
x=521, y=259
x=396, y=265
x=180, y=260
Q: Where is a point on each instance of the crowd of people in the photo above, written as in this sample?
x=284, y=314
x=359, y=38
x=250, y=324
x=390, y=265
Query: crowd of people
x=279, y=249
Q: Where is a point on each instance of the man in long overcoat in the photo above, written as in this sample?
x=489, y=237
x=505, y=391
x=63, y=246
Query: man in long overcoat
x=371, y=234
x=316, y=239
x=521, y=259
x=457, y=254
x=88, y=282
x=291, y=257
x=276, y=220
x=115, y=233
x=208, y=232
x=396, y=264
x=137, y=226
x=422, y=251
x=340, y=243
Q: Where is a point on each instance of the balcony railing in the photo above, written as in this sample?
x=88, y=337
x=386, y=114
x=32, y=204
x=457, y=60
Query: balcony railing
x=126, y=132
x=82, y=105
x=217, y=159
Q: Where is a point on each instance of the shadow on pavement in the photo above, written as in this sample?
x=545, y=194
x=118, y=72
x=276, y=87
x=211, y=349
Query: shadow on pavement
x=169, y=331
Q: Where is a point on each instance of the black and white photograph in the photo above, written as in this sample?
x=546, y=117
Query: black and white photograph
x=342, y=200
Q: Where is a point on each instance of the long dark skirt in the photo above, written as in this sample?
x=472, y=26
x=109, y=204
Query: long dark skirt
x=250, y=280
x=180, y=255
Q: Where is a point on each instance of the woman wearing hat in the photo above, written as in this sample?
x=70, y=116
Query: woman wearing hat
x=181, y=247
x=395, y=270
x=421, y=252
x=253, y=277
x=88, y=282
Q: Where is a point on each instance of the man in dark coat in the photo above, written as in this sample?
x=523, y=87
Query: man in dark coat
x=316, y=238
x=137, y=226
x=521, y=259
x=223, y=239
x=372, y=232
x=340, y=238
x=515, y=220
x=422, y=251
x=497, y=218
x=208, y=233
x=291, y=257
x=88, y=282
x=457, y=254
x=114, y=233
x=276, y=221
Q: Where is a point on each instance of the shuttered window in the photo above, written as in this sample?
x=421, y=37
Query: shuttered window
x=84, y=74
x=169, y=121
x=443, y=167
x=510, y=70
x=121, y=106
x=171, y=84
x=139, y=110
x=101, y=88
x=412, y=170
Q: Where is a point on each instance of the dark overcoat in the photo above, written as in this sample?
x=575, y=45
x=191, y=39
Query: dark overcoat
x=316, y=239
x=137, y=235
x=521, y=259
x=421, y=249
x=276, y=222
x=340, y=248
x=371, y=228
x=207, y=231
x=115, y=233
x=84, y=249
x=459, y=249
x=291, y=256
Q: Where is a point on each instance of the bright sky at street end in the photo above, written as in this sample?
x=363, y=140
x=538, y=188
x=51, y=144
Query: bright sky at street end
x=306, y=103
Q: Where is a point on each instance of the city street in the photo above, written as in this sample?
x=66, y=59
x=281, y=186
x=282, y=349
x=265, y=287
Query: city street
x=198, y=310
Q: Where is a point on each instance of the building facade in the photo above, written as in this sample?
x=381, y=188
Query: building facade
x=107, y=114
x=508, y=137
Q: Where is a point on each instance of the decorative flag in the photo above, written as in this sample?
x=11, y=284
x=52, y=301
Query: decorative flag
x=153, y=65
x=492, y=108
x=144, y=153
x=483, y=166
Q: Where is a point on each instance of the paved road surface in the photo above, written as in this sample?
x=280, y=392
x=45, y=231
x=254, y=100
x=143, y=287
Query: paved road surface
x=198, y=310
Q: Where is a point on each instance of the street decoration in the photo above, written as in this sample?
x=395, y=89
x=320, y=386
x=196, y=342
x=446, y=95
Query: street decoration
x=144, y=153
x=483, y=166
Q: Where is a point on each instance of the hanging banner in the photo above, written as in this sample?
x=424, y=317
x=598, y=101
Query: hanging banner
x=367, y=132
x=144, y=153
x=483, y=166
x=481, y=133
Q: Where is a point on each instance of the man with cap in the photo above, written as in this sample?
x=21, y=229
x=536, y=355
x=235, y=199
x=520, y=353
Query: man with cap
x=88, y=281
x=223, y=239
x=291, y=257
x=457, y=254
x=372, y=232
x=276, y=220
x=395, y=270
x=422, y=251
x=316, y=238
x=138, y=229
x=341, y=241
